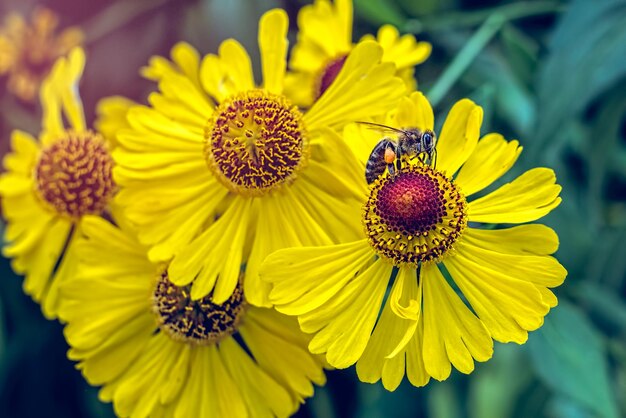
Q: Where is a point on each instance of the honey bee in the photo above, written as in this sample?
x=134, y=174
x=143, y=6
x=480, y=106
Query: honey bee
x=388, y=152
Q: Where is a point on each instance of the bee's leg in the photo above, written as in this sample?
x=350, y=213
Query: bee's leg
x=391, y=155
x=433, y=159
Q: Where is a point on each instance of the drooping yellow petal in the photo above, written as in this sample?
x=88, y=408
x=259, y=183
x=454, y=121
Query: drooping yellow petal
x=525, y=199
x=508, y=307
x=279, y=348
x=52, y=121
x=541, y=270
x=350, y=316
x=327, y=269
x=452, y=333
x=273, y=46
x=459, y=135
x=262, y=393
x=384, y=356
x=364, y=88
x=282, y=222
x=522, y=239
x=492, y=157
x=213, y=259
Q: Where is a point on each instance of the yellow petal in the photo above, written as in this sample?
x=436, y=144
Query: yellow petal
x=262, y=394
x=188, y=60
x=390, y=338
x=459, y=135
x=527, y=198
x=273, y=46
x=351, y=315
x=72, y=103
x=492, y=157
x=213, y=259
x=415, y=368
x=452, y=333
x=522, y=239
x=508, y=307
x=278, y=348
x=111, y=116
x=229, y=73
x=364, y=88
x=304, y=278
x=415, y=111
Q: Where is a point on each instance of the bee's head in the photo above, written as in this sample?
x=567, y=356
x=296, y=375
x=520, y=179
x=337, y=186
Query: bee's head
x=428, y=140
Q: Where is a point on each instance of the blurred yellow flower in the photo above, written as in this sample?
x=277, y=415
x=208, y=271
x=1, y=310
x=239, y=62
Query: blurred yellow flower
x=219, y=172
x=158, y=353
x=27, y=52
x=324, y=42
x=418, y=234
x=51, y=182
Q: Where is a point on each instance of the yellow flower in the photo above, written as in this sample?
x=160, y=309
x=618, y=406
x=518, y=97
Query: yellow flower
x=27, y=53
x=158, y=353
x=422, y=233
x=325, y=40
x=50, y=183
x=219, y=172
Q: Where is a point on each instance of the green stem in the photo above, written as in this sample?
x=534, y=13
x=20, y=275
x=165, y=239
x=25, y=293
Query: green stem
x=117, y=16
x=465, y=57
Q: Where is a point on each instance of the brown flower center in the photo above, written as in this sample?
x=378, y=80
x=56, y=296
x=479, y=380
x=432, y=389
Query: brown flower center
x=74, y=174
x=256, y=142
x=415, y=216
x=199, y=321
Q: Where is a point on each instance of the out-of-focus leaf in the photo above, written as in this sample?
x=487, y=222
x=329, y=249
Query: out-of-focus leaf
x=444, y=401
x=520, y=51
x=609, y=306
x=562, y=407
x=321, y=405
x=569, y=355
x=587, y=55
x=425, y=7
x=496, y=385
x=375, y=401
x=379, y=12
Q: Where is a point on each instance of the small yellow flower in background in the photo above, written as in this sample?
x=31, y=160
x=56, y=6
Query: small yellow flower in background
x=324, y=42
x=51, y=182
x=28, y=52
x=158, y=353
x=219, y=172
x=422, y=233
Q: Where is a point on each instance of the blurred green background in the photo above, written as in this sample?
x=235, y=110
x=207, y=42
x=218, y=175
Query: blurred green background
x=549, y=73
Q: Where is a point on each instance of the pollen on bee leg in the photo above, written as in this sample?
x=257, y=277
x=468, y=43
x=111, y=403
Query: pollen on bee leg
x=414, y=217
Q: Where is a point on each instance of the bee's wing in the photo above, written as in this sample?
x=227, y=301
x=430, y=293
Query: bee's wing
x=381, y=128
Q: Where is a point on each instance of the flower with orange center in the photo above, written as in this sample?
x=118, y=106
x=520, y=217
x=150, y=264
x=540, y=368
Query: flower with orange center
x=325, y=41
x=422, y=237
x=27, y=53
x=51, y=183
x=218, y=172
x=157, y=352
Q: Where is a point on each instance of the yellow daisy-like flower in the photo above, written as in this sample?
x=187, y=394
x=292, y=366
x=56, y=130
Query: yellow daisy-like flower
x=159, y=353
x=325, y=41
x=421, y=232
x=219, y=172
x=51, y=183
x=27, y=53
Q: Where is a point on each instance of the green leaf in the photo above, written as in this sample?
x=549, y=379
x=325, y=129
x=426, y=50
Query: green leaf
x=570, y=357
x=587, y=55
x=496, y=385
x=603, y=301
